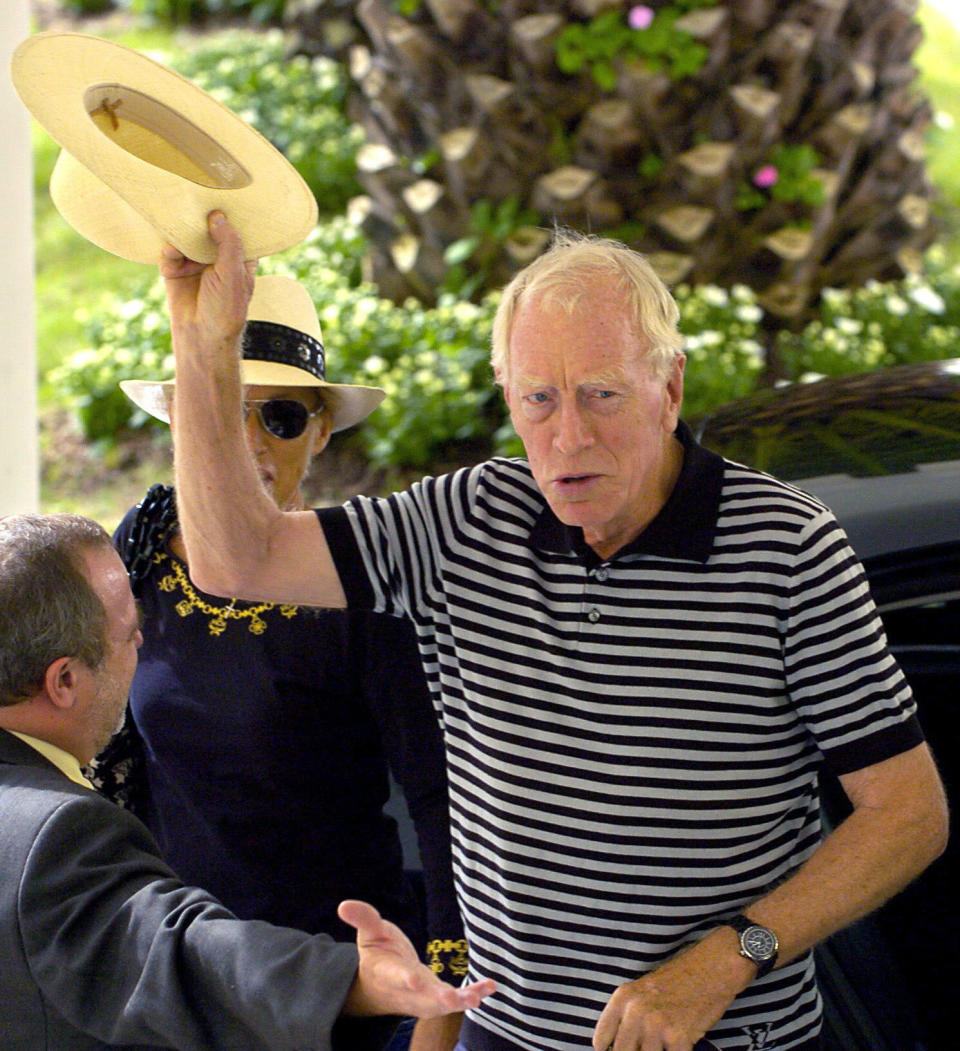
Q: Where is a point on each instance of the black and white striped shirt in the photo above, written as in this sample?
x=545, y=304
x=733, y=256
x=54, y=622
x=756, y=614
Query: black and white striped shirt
x=633, y=743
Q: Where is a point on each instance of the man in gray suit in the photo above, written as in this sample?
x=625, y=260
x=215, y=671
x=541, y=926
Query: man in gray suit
x=100, y=943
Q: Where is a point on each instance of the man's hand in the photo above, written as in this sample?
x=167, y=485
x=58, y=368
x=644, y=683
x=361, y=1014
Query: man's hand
x=210, y=300
x=671, y=1008
x=391, y=979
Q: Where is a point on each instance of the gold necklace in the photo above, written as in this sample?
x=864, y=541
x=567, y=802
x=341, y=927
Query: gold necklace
x=219, y=614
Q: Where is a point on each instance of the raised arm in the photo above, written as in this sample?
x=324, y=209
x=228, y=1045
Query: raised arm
x=238, y=543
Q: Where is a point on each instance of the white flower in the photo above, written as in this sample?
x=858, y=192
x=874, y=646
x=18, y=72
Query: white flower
x=897, y=305
x=714, y=296
x=753, y=351
x=850, y=326
x=748, y=312
x=925, y=298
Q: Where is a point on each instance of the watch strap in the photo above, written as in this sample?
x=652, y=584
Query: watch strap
x=741, y=924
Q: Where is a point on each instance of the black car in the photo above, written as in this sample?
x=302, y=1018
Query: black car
x=882, y=450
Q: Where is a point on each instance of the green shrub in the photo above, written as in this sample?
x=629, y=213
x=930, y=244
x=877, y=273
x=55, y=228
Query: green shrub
x=128, y=338
x=724, y=348
x=891, y=323
x=85, y=8
x=184, y=11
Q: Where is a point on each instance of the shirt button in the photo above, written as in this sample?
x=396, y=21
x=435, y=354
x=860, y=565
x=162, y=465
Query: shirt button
x=594, y=615
x=602, y=574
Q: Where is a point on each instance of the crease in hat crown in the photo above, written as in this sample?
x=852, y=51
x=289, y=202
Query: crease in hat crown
x=282, y=347
x=147, y=155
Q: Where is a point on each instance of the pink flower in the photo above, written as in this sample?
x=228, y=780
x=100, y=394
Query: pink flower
x=765, y=177
x=640, y=17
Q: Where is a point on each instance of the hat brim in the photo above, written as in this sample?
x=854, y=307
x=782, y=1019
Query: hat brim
x=202, y=155
x=349, y=405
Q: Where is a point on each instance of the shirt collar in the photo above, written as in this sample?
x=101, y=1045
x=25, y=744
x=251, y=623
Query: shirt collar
x=66, y=763
x=684, y=528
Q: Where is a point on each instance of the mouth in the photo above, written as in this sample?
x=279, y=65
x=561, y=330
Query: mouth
x=571, y=482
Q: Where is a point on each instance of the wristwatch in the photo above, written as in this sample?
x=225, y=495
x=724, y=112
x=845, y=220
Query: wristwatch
x=757, y=944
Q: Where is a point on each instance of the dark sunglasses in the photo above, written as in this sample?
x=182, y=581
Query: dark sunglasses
x=281, y=417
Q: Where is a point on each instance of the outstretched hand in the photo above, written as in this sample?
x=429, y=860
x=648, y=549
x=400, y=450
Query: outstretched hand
x=210, y=300
x=391, y=979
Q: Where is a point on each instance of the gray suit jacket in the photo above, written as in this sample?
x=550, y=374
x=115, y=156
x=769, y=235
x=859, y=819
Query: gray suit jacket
x=101, y=945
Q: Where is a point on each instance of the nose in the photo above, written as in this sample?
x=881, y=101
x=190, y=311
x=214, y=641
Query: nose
x=572, y=433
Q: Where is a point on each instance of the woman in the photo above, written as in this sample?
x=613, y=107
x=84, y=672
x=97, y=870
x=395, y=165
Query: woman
x=267, y=731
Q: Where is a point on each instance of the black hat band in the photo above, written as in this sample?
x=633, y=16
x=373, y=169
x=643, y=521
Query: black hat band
x=268, y=341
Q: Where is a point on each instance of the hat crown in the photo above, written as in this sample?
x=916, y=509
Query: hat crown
x=151, y=130
x=283, y=301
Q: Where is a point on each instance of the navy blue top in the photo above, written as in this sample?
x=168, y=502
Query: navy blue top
x=267, y=755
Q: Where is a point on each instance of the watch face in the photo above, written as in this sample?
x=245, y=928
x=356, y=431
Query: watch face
x=759, y=943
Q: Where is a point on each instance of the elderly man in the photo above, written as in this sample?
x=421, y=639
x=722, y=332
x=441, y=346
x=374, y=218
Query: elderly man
x=641, y=654
x=100, y=944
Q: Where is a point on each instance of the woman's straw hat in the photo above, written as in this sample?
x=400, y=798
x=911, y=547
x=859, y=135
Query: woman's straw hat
x=147, y=155
x=282, y=347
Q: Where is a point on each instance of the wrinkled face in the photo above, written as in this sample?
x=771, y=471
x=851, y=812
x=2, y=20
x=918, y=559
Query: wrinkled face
x=111, y=680
x=283, y=462
x=596, y=423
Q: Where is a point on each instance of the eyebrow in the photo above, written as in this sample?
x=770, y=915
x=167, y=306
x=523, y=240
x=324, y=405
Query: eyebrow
x=611, y=375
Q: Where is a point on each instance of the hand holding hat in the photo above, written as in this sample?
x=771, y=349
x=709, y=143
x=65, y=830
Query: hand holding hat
x=210, y=296
x=147, y=155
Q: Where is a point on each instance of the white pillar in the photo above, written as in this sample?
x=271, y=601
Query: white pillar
x=19, y=459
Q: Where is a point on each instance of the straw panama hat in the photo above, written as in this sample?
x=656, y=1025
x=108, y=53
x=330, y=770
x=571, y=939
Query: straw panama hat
x=147, y=154
x=282, y=347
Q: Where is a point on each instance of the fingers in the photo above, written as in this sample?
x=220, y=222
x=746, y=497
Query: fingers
x=429, y=996
x=391, y=976
x=173, y=263
x=469, y=996
x=605, y=1029
x=226, y=238
x=363, y=917
x=212, y=299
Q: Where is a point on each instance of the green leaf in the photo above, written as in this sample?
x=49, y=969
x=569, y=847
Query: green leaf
x=570, y=49
x=604, y=75
x=481, y=216
x=461, y=250
x=650, y=166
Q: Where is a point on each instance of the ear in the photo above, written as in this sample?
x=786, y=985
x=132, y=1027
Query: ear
x=61, y=682
x=674, y=388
